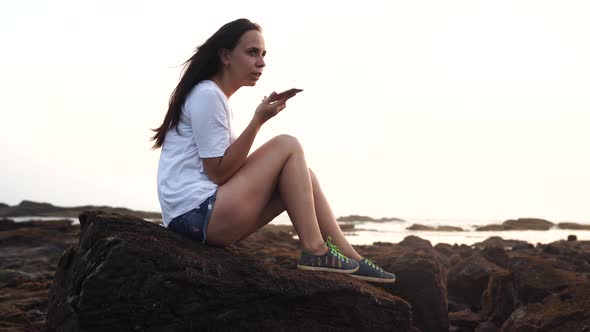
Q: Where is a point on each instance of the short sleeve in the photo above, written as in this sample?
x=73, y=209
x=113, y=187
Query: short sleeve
x=209, y=123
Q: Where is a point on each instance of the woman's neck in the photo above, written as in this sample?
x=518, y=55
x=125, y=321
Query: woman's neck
x=224, y=83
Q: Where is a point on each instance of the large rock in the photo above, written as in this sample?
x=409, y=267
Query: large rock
x=29, y=252
x=576, y=253
x=567, y=310
x=573, y=225
x=421, y=279
x=129, y=274
x=420, y=227
x=519, y=224
x=537, y=277
x=468, y=280
x=498, y=242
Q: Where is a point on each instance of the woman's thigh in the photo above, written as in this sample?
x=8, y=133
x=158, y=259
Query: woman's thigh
x=242, y=199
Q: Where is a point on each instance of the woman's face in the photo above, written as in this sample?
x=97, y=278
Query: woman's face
x=246, y=60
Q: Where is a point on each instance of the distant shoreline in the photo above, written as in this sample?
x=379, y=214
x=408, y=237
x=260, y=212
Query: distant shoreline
x=37, y=209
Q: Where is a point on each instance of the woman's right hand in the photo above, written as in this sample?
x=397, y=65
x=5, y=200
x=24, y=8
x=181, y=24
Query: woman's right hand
x=267, y=110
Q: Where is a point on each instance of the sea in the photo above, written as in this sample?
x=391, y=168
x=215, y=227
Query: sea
x=366, y=233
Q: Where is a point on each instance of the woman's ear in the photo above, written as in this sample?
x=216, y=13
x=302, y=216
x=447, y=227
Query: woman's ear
x=224, y=56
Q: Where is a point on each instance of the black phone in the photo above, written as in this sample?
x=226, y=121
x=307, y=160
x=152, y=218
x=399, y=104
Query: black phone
x=285, y=94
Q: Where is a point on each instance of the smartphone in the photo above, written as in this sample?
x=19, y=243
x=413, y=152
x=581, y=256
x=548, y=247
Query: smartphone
x=285, y=94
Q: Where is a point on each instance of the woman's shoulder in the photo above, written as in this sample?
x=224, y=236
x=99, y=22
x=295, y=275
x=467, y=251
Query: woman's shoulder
x=204, y=96
x=205, y=87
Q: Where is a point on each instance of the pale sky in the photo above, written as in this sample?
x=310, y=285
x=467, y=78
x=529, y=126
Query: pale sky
x=411, y=109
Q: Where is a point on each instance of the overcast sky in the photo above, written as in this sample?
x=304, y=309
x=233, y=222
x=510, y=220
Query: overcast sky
x=438, y=109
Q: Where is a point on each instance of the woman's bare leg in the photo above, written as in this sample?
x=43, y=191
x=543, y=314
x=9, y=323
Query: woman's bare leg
x=278, y=164
x=326, y=219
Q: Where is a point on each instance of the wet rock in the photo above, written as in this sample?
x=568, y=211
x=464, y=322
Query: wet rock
x=576, y=253
x=469, y=279
x=573, y=225
x=496, y=241
x=486, y=327
x=421, y=279
x=556, y=313
x=496, y=255
x=500, y=298
x=463, y=250
x=519, y=224
x=414, y=242
x=420, y=227
x=465, y=319
x=537, y=277
x=8, y=276
x=444, y=249
x=127, y=274
x=29, y=252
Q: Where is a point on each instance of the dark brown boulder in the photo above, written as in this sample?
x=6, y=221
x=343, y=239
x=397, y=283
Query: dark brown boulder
x=537, y=277
x=528, y=224
x=420, y=280
x=464, y=320
x=29, y=252
x=486, y=327
x=468, y=280
x=496, y=241
x=573, y=225
x=414, y=242
x=519, y=224
x=576, y=253
x=568, y=310
x=500, y=298
x=496, y=255
x=420, y=227
x=130, y=274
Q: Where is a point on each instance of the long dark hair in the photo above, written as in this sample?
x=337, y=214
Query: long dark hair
x=204, y=64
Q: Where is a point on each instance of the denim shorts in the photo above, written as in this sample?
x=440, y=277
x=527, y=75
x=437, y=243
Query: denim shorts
x=194, y=222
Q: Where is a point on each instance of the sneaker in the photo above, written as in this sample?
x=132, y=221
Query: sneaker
x=369, y=271
x=332, y=261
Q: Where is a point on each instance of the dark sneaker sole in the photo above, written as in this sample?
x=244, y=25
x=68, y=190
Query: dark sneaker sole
x=372, y=279
x=326, y=269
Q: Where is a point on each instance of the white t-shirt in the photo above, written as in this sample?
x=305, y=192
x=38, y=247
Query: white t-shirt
x=205, y=129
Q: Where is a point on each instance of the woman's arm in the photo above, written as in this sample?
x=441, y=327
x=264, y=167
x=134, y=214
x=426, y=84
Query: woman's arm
x=221, y=169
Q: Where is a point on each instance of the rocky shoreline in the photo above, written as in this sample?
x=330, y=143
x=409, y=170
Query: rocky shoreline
x=494, y=285
x=30, y=208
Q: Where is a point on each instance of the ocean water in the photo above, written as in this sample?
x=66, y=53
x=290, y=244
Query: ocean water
x=366, y=233
x=392, y=231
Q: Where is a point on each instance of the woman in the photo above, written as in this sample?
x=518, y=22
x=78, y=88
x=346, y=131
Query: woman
x=208, y=186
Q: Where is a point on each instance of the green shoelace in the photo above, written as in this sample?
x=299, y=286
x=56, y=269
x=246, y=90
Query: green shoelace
x=335, y=250
x=372, y=264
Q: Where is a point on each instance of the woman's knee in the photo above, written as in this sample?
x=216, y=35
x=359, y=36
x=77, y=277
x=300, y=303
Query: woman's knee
x=313, y=177
x=288, y=142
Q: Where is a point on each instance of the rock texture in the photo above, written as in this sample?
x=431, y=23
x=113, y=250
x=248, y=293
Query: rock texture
x=573, y=225
x=421, y=279
x=524, y=289
x=519, y=224
x=123, y=273
x=420, y=227
x=30, y=208
x=29, y=252
x=128, y=274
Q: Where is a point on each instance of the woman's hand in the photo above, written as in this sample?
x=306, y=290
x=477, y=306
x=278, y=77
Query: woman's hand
x=268, y=109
